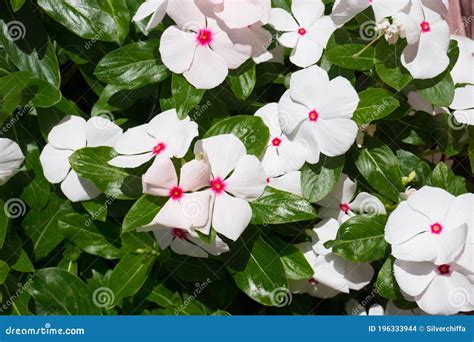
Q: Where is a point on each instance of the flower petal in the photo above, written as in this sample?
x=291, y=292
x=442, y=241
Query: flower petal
x=69, y=133
x=281, y=20
x=102, y=132
x=290, y=182
x=340, y=100
x=269, y=115
x=163, y=236
x=11, y=157
x=134, y=141
x=248, y=181
x=184, y=247
x=431, y=202
x=307, y=12
x=463, y=98
x=306, y=53
x=208, y=69
x=160, y=178
x=309, y=86
x=78, y=189
x=404, y=223
x=305, y=135
x=195, y=175
x=413, y=277
x=231, y=216
x=177, y=49
x=345, y=10
x=186, y=14
x=55, y=163
x=335, y=136
x=290, y=113
x=131, y=161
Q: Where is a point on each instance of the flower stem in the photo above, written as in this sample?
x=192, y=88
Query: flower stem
x=356, y=55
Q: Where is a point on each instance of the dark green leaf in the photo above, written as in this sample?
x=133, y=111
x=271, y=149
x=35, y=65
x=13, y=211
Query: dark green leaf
x=242, y=80
x=386, y=284
x=349, y=56
x=375, y=104
x=185, y=96
x=318, y=180
x=438, y=91
x=295, y=264
x=443, y=177
x=389, y=66
x=142, y=212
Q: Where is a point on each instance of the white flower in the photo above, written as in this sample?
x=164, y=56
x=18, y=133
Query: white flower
x=290, y=182
x=236, y=178
x=154, y=8
x=68, y=136
x=185, y=242
x=164, y=136
x=345, y=10
x=426, y=55
x=431, y=225
x=353, y=308
x=318, y=111
x=340, y=203
x=11, y=158
x=306, y=32
x=198, y=48
x=237, y=13
x=186, y=208
x=256, y=38
x=281, y=155
x=463, y=104
x=332, y=273
x=444, y=289
x=462, y=70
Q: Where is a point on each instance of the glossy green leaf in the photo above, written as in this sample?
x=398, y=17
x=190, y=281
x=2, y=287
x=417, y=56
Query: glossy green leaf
x=375, y=104
x=242, y=80
x=438, y=91
x=185, y=96
x=389, y=66
x=318, y=180
x=349, y=56
x=295, y=264
x=444, y=178
x=4, y=219
x=17, y=4
x=143, y=212
x=386, y=283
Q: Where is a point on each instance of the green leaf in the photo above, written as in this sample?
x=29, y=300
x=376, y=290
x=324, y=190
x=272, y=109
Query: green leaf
x=318, y=180
x=295, y=264
x=361, y=239
x=143, y=212
x=242, y=80
x=386, y=284
x=409, y=162
x=259, y=272
x=4, y=220
x=94, y=239
x=107, y=21
x=194, y=269
x=375, y=104
x=164, y=297
x=4, y=270
x=92, y=163
x=276, y=206
x=444, y=178
x=30, y=49
x=448, y=134
x=132, y=66
x=58, y=292
x=438, y=91
x=35, y=194
x=130, y=274
x=185, y=95
x=17, y=4
x=379, y=166
x=249, y=129
x=42, y=226
x=345, y=56
x=389, y=66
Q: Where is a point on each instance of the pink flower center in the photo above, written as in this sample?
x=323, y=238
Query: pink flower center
x=218, y=185
x=204, y=37
x=301, y=31
x=444, y=269
x=176, y=193
x=344, y=207
x=268, y=180
x=276, y=142
x=160, y=147
x=313, y=281
x=370, y=2
x=425, y=27
x=179, y=233
x=436, y=228
x=313, y=116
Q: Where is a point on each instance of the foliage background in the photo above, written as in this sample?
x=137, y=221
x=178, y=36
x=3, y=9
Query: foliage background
x=59, y=257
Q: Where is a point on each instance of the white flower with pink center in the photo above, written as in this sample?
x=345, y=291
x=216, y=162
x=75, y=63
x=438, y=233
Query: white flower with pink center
x=427, y=34
x=187, y=207
x=342, y=204
x=198, y=48
x=237, y=14
x=185, y=242
x=332, y=273
x=431, y=225
x=281, y=155
x=438, y=289
x=11, y=158
x=289, y=182
x=236, y=178
x=156, y=9
x=318, y=112
x=68, y=136
x=164, y=136
x=306, y=32
x=345, y=10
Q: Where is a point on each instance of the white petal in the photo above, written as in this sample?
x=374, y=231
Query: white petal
x=376, y=310
x=464, y=62
x=329, y=270
x=432, y=203
x=184, y=247
x=289, y=39
x=11, y=157
x=358, y=275
x=321, y=31
x=131, y=161
x=340, y=99
x=292, y=155
x=69, y=133
x=171, y=215
x=271, y=162
x=134, y=141
x=464, y=116
x=195, y=208
x=306, y=135
x=160, y=178
x=383, y=9
x=281, y=20
x=177, y=49
x=158, y=16
x=325, y=231
x=223, y=153
x=306, y=53
x=216, y=248
x=102, y=132
x=78, y=189
x=231, y=216
x=195, y=175
x=55, y=163
x=208, y=69
x=248, y=181
x=413, y=277
x=290, y=182
x=238, y=14
x=186, y=14
x=421, y=247
x=307, y=12
x=345, y=10
x=343, y=192
x=309, y=86
x=404, y=223
x=269, y=115
x=463, y=98
x=368, y=204
x=290, y=113
x=163, y=236
x=335, y=136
